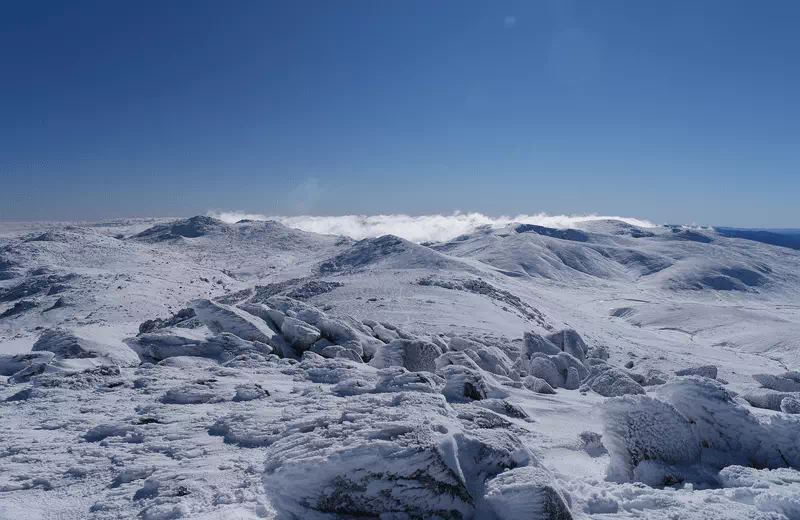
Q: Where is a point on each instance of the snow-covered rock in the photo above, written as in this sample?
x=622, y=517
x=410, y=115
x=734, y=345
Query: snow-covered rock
x=692, y=429
x=780, y=383
x=13, y=363
x=344, y=331
x=709, y=371
x=527, y=492
x=573, y=380
x=488, y=357
x=610, y=381
x=224, y=318
x=538, y=385
x=790, y=404
x=299, y=334
x=71, y=345
x=767, y=399
x=544, y=368
x=398, y=379
x=533, y=343
x=174, y=342
x=414, y=355
x=391, y=455
x=569, y=341
x=466, y=384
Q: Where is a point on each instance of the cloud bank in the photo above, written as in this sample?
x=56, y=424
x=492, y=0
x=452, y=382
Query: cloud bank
x=425, y=228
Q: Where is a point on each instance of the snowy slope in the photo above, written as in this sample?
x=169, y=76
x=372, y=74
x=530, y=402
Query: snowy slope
x=314, y=376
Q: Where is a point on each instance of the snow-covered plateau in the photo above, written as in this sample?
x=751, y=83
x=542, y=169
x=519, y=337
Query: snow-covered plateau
x=162, y=369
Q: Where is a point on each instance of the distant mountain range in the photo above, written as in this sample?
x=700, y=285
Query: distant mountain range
x=783, y=237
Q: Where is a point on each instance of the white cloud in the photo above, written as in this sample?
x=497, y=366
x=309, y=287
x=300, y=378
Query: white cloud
x=417, y=229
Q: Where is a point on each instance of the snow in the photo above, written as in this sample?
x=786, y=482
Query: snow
x=209, y=369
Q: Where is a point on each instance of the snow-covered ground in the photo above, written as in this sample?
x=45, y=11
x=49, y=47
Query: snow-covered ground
x=161, y=368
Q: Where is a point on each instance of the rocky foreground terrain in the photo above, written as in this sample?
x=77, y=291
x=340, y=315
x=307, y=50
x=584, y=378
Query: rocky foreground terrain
x=162, y=369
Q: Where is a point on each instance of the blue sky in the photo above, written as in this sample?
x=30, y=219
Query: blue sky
x=673, y=111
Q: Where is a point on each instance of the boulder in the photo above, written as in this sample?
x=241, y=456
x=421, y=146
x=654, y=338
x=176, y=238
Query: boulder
x=533, y=343
x=10, y=364
x=573, y=381
x=779, y=383
x=299, y=334
x=544, y=368
x=529, y=492
x=464, y=384
x=224, y=318
x=535, y=384
x=790, y=404
x=414, y=355
x=709, y=371
x=73, y=345
x=610, y=381
x=569, y=341
x=398, y=455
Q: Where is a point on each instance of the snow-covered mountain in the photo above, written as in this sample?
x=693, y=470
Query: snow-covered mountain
x=163, y=368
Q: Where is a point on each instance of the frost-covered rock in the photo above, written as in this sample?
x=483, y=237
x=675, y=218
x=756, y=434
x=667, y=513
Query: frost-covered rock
x=767, y=399
x=466, y=384
x=262, y=311
x=569, y=341
x=610, y=381
x=194, y=393
x=249, y=392
x=345, y=330
x=599, y=352
x=503, y=407
x=384, y=334
x=653, y=377
x=398, y=379
x=694, y=427
x=13, y=363
x=176, y=342
x=299, y=334
x=488, y=357
x=779, y=383
x=414, y=355
x=641, y=428
x=224, y=318
x=69, y=345
x=544, y=368
x=454, y=357
x=346, y=353
x=527, y=493
x=383, y=455
x=709, y=371
x=533, y=343
x=564, y=361
x=573, y=381
x=790, y=405
x=538, y=385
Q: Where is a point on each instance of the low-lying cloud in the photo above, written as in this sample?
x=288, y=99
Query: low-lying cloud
x=424, y=228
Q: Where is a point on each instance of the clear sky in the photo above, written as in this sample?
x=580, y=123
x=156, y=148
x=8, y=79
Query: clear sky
x=676, y=111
